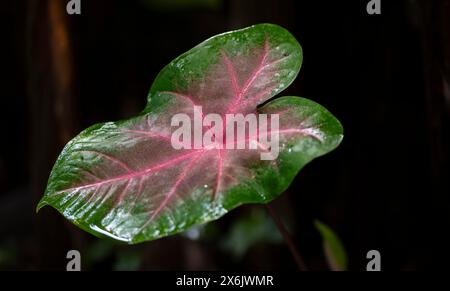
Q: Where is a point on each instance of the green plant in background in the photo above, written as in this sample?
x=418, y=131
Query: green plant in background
x=333, y=248
x=248, y=231
x=124, y=180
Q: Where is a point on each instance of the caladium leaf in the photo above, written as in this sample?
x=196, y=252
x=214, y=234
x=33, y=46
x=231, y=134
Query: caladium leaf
x=127, y=181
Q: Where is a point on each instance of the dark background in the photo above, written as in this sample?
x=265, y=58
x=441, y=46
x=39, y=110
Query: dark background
x=385, y=77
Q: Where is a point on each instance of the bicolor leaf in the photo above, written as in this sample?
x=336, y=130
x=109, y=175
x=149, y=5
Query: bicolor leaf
x=125, y=180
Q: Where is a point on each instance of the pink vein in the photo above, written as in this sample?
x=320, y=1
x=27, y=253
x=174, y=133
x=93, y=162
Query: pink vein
x=269, y=64
x=148, y=133
x=173, y=190
x=303, y=131
x=112, y=159
x=87, y=203
x=132, y=175
x=251, y=79
x=90, y=174
x=231, y=73
x=238, y=96
x=231, y=177
x=259, y=95
x=152, y=135
x=92, y=196
x=260, y=68
x=219, y=173
x=122, y=194
x=190, y=99
x=138, y=194
x=267, y=90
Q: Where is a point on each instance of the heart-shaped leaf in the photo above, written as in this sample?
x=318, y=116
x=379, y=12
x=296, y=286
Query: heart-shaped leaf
x=127, y=179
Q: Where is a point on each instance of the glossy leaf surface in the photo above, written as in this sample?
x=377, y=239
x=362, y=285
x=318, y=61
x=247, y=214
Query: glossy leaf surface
x=125, y=180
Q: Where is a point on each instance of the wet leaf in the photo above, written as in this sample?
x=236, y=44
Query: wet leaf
x=126, y=180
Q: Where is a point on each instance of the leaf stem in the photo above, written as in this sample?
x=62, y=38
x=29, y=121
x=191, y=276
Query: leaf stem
x=287, y=238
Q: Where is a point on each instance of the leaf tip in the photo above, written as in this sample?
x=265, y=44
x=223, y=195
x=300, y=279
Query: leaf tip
x=41, y=204
x=334, y=250
x=320, y=226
